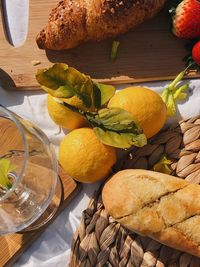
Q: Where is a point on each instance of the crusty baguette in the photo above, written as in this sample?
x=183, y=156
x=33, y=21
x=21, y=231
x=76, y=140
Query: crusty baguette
x=157, y=205
x=73, y=22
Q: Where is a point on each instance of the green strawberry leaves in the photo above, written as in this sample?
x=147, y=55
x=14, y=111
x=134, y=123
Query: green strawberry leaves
x=172, y=5
x=62, y=81
x=5, y=168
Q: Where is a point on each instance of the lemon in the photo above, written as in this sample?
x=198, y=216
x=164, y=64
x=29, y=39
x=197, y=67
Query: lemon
x=63, y=116
x=84, y=157
x=146, y=106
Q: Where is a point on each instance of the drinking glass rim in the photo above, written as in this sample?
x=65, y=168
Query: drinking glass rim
x=25, y=143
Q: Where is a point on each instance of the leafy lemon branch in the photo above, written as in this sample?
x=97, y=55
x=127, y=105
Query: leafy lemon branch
x=113, y=126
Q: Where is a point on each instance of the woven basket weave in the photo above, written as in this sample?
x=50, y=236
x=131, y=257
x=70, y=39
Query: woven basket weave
x=100, y=241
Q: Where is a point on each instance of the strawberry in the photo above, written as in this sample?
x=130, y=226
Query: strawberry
x=196, y=53
x=192, y=60
x=186, y=20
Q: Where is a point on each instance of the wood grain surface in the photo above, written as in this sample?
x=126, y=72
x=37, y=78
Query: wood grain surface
x=148, y=53
x=13, y=245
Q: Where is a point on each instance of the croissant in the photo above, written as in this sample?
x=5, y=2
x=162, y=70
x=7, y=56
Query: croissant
x=73, y=22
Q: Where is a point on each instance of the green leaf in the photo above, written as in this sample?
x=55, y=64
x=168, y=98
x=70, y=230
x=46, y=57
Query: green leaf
x=5, y=168
x=114, y=50
x=116, y=127
x=113, y=126
x=107, y=91
x=96, y=97
x=163, y=165
x=172, y=93
x=62, y=81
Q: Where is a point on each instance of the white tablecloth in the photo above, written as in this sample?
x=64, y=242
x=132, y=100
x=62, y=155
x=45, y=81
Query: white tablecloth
x=53, y=246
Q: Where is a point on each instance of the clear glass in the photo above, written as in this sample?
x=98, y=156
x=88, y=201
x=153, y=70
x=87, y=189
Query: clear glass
x=33, y=175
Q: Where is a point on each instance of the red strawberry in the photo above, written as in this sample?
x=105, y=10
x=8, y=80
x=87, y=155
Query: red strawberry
x=186, y=21
x=196, y=53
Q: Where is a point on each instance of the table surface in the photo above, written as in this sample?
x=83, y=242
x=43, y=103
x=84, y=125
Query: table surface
x=53, y=247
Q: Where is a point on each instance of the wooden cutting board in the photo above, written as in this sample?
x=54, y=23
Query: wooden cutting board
x=148, y=53
x=13, y=245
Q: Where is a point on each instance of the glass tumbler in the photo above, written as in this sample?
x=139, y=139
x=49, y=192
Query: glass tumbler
x=30, y=190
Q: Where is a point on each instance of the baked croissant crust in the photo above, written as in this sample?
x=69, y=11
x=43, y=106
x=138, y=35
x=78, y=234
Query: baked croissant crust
x=73, y=22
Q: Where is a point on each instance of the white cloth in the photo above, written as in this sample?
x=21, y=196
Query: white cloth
x=52, y=248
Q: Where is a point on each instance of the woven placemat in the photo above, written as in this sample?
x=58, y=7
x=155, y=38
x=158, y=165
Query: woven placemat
x=100, y=241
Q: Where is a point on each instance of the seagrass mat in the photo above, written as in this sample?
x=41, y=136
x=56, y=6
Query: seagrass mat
x=101, y=242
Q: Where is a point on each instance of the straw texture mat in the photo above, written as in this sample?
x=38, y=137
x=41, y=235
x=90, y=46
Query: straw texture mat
x=100, y=241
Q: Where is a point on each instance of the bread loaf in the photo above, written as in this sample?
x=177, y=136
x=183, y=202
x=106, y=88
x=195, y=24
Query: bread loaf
x=73, y=22
x=156, y=205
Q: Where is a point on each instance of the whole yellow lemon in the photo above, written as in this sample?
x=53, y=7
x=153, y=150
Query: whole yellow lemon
x=63, y=116
x=84, y=157
x=146, y=106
